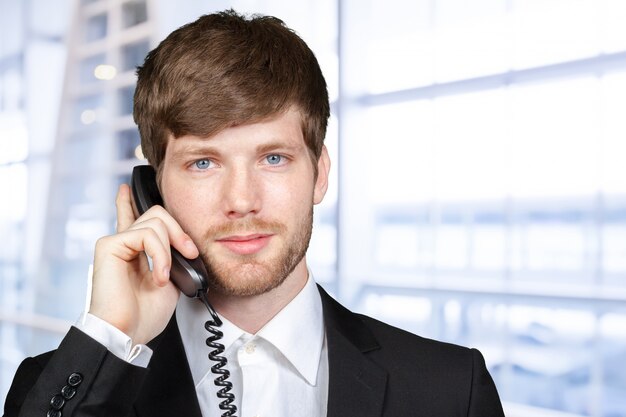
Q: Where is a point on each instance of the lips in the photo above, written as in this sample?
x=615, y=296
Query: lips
x=245, y=244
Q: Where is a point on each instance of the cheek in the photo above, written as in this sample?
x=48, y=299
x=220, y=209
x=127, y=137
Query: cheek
x=184, y=205
x=289, y=204
x=293, y=191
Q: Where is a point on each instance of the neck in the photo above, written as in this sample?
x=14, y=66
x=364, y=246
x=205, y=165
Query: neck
x=251, y=313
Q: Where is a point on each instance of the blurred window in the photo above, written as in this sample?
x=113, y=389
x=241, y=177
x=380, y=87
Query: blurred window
x=127, y=143
x=96, y=27
x=480, y=149
x=125, y=100
x=133, y=55
x=483, y=149
x=87, y=68
x=134, y=13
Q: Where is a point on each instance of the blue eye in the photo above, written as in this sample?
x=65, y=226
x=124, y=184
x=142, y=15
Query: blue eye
x=202, y=163
x=274, y=159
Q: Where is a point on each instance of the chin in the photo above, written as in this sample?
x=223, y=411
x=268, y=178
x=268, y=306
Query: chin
x=245, y=280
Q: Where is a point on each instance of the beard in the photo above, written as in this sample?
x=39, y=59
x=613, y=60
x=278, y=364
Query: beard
x=255, y=274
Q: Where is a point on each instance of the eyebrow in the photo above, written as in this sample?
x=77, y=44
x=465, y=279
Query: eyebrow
x=203, y=149
x=273, y=146
x=190, y=150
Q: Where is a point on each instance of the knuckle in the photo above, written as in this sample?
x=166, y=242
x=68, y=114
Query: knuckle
x=152, y=234
x=159, y=235
x=103, y=242
x=158, y=210
x=158, y=225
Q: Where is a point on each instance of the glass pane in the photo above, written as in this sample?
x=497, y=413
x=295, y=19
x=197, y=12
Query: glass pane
x=613, y=344
x=397, y=47
x=612, y=28
x=555, y=128
x=452, y=244
x=127, y=142
x=88, y=66
x=488, y=239
x=558, y=240
x=414, y=314
x=613, y=244
x=125, y=100
x=134, y=13
x=404, y=238
x=81, y=232
x=134, y=54
x=470, y=39
x=433, y=42
x=88, y=110
x=471, y=142
x=544, y=34
x=13, y=185
x=14, y=134
x=401, y=153
x=96, y=27
x=86, y=152
x=12, y=90
x=612, y=170
x=550, y=363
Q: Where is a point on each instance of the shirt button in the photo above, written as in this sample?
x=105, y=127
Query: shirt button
x=250, y=347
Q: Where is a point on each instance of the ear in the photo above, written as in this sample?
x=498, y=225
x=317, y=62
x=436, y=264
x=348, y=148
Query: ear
x=321, y=183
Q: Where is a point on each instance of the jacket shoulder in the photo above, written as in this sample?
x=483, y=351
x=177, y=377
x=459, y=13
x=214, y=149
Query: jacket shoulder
x=432, y=377
x=396, y=342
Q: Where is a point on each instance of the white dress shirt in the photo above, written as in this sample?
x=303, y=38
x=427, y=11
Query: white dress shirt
x=282, y=370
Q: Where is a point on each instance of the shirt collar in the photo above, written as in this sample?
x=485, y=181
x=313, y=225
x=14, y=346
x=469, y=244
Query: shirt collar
x=297, y=331
x=302, y=349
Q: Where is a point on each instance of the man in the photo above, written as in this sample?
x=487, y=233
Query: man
x=232, y=114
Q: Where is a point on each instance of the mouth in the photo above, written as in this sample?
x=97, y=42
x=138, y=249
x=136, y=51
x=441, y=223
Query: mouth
x=245, y=244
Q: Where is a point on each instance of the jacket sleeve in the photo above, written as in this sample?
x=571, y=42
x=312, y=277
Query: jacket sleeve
x=81, y=378
x=484, y=399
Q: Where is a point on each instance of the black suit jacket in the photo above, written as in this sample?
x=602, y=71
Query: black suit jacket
x=374, y=370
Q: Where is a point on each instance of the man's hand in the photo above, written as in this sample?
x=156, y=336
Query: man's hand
x=126, y=293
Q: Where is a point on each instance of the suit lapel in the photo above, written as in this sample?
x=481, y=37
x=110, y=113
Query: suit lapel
x=356, y=384
x=168, y=389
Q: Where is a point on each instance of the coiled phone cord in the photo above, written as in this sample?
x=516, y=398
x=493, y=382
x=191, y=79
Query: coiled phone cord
x=221, y=380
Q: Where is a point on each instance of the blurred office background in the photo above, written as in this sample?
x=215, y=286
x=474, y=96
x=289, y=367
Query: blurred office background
x=479, y=179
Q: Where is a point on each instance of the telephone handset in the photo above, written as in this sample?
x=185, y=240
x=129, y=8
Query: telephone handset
x=191, y=277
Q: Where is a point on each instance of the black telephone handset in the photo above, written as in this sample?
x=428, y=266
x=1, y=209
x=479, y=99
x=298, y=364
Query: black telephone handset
x=191, y=277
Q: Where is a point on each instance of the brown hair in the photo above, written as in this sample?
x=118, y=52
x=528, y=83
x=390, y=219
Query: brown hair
x=225, y=70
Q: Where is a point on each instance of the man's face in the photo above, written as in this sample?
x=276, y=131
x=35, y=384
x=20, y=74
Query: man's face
x=245, y=196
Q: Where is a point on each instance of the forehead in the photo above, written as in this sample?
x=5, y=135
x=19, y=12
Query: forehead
x=283, y=129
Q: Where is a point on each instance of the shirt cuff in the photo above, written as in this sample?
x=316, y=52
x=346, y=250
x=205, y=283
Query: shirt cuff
x=116, y=341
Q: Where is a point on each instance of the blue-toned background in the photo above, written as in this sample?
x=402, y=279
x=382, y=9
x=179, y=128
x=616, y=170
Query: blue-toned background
x=478, y=193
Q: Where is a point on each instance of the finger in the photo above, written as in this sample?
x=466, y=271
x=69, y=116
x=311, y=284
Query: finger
x=176, y=235
x=157, y=225
x=147, y=240
x=125, y=215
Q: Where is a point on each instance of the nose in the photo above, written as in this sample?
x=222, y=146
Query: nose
x=241, y=193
